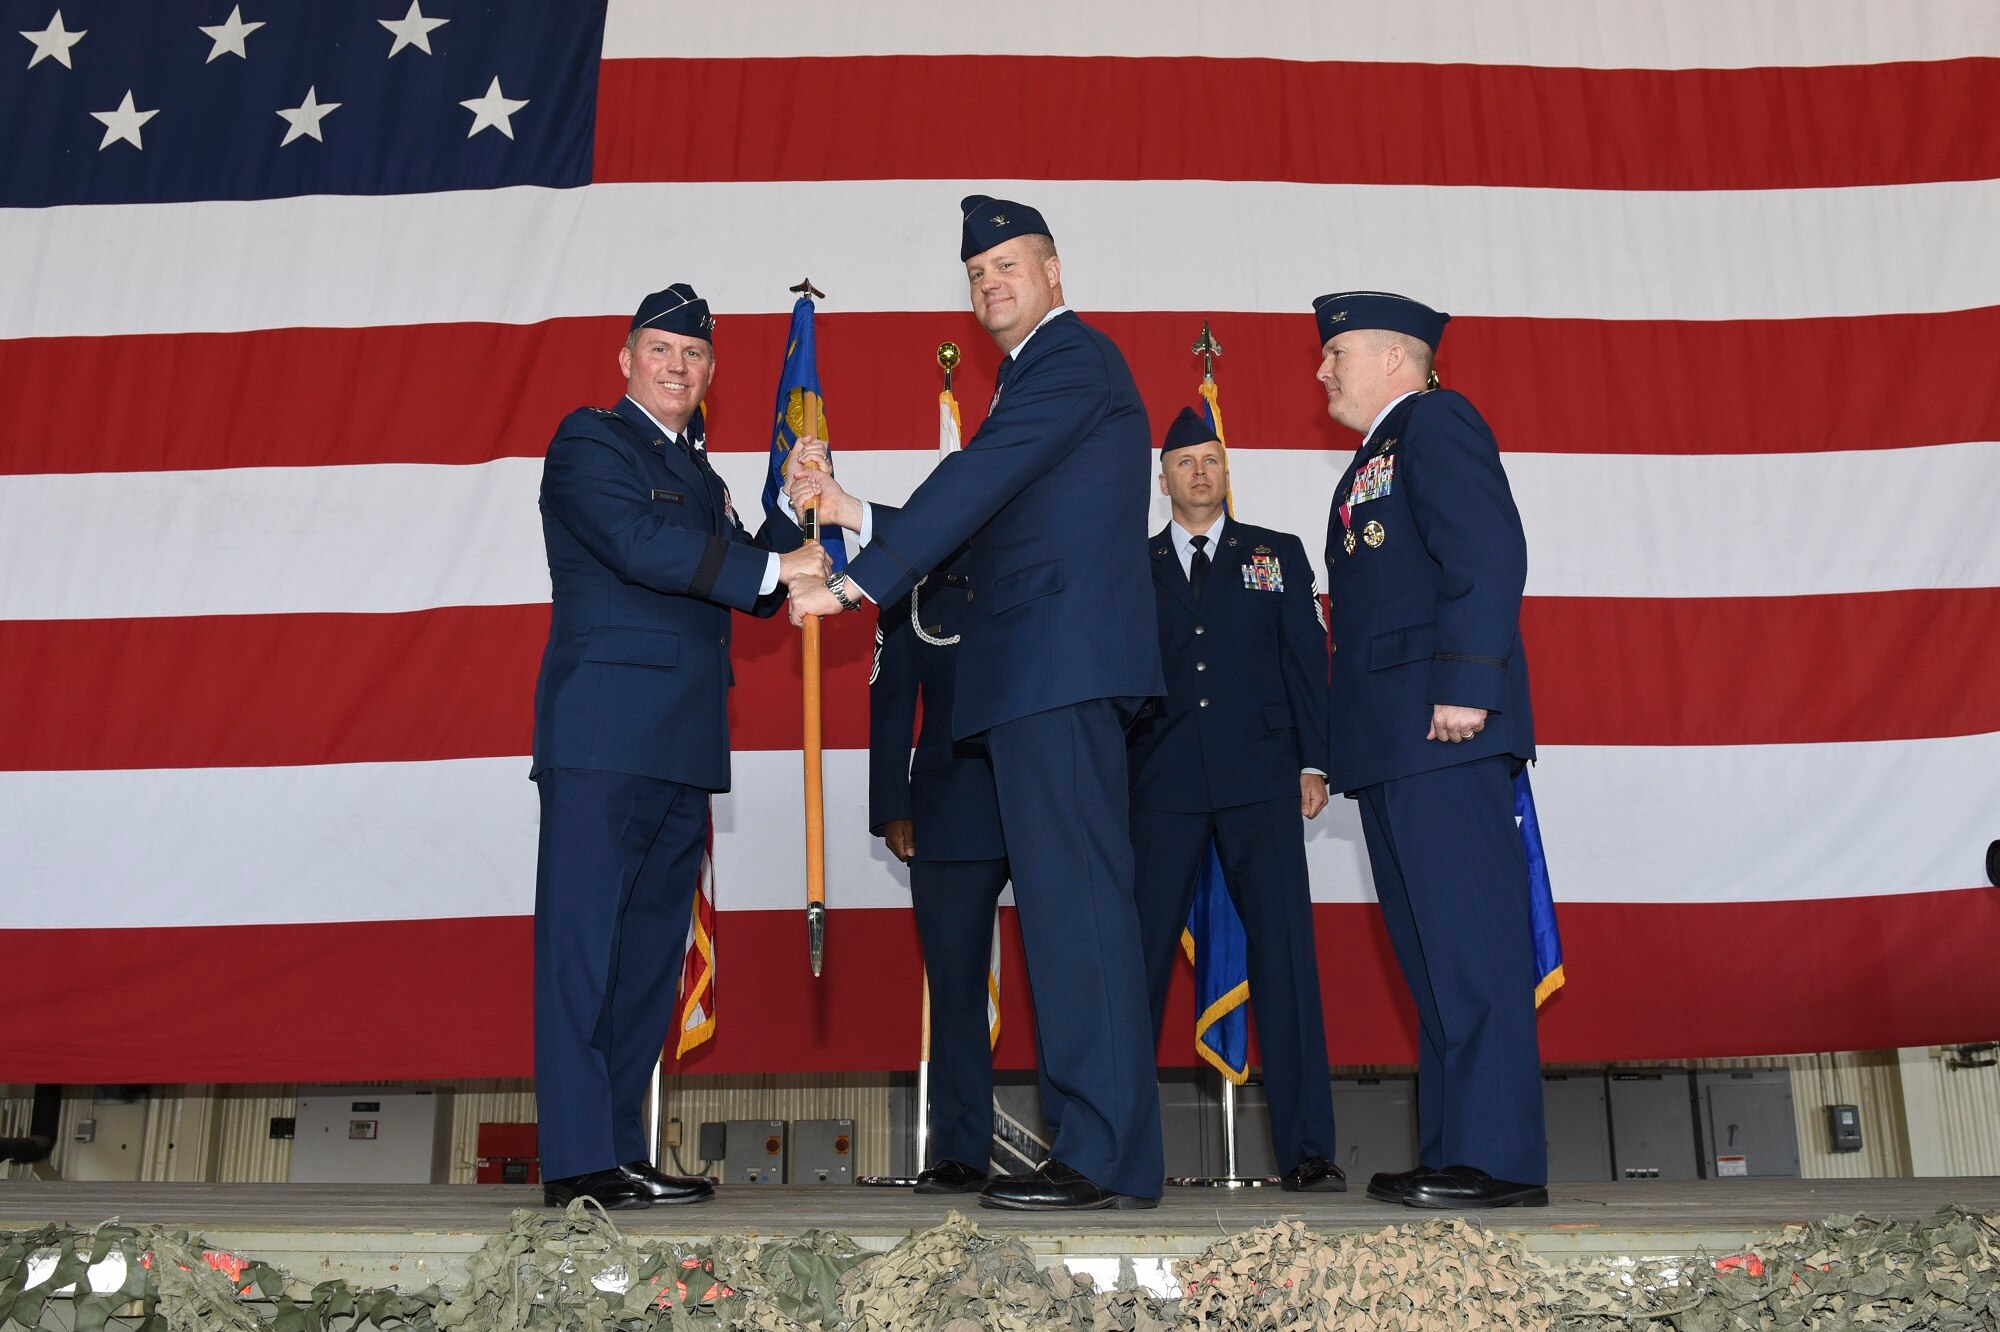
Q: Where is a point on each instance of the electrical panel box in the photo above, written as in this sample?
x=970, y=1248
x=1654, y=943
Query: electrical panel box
x=1747, y=1126
x=1577, y=1112
x=1652, y=1124
x=754, y=1151
x=372, y=1135
x=508, y=1154
x=1374, y=1126
x=822, y=1152
x=1843, y=1127
x=107, y=1140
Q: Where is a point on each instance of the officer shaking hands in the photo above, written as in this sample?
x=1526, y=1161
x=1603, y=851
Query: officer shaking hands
x=1050, y=498
x=1237, y=753
x=647, y=558
x=1426, y=562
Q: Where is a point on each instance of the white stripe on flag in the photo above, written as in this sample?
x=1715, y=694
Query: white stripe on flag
x=360, y=261
x=401, y=537
x=212, y=846
x=1642, y=34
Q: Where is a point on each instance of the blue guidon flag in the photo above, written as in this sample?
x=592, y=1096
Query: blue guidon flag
x=800, y=410
x=1541, y=897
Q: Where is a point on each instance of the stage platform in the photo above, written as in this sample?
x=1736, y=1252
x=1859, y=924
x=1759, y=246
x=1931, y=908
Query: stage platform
x=412, y=1235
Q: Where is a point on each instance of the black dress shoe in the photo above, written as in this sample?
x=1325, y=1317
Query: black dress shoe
x=1315, y=1174
x=1388, y=1185
x=1463, y=1186
x=610, y=1187
x=1054, y=1187
x=950, y=1177
x=665, y=1190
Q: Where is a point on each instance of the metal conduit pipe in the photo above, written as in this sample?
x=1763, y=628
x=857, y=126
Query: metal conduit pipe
x=41, y=1139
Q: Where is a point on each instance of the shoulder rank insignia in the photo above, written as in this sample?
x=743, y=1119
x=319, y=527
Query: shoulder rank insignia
x=1263, y=573
x=601, y=411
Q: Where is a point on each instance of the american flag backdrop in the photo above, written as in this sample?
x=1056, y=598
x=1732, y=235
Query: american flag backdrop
x=295, y=294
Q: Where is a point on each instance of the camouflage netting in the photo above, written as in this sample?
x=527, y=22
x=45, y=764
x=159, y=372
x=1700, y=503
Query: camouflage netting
x=576, y=1270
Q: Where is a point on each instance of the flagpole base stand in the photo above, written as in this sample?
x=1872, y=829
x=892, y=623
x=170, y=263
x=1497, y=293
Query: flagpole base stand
x=1225, y=1181
x=886, y=1182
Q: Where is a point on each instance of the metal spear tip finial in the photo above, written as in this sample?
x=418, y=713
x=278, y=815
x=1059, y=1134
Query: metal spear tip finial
x=816, y=935
x=1208, y=349
x=948, y=356
x=806, y=288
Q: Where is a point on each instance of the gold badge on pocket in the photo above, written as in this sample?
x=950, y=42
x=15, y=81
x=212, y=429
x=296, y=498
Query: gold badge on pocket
x=1373, y=534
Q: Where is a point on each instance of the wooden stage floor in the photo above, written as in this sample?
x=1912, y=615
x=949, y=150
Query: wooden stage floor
x=410, y=1235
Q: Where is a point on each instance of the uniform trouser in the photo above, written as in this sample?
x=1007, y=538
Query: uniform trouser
x=1453, y=882
x=1263, y=853
x=615, y=881
x=955, y=901
x=1064, y=812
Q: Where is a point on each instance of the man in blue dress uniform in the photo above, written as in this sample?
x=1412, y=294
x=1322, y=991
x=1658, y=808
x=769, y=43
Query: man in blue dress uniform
x=1237, y=753
x=646, y=560
x=1061, y=651
x=935, y=809
x=1430, y=721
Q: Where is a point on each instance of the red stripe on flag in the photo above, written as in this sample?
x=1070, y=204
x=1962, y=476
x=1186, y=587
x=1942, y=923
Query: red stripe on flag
x=272, y=690
x=333, y=1002
x=1260, y=119
x=1730, y=670
x=312, y=397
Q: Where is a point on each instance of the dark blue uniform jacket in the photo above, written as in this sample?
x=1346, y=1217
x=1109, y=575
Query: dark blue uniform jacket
x=944, y=787
x=646, y=559
x=1246, y=667
x=1426, y=609
x=1052, y=494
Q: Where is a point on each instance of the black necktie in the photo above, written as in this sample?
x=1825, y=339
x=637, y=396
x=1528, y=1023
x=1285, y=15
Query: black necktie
x=1000, y=378
x=1198, y=566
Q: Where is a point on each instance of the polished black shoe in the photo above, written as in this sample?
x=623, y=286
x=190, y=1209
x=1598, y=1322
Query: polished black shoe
x=663, y=1190
x=950, y=1177
x=1315, y=1174
x=610, y=1188
x=1462, y=1186
x=1388, y=1185
x=1054, y=1187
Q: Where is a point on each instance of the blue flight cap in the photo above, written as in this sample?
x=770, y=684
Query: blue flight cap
x=676, y=310
x=1189, y=428
x=988, y=221
x=1343, y=311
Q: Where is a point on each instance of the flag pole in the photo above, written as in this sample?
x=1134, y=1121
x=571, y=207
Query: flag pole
x=810, y=669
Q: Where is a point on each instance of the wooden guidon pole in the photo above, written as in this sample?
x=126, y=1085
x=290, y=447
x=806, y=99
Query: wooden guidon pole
x=815, y=780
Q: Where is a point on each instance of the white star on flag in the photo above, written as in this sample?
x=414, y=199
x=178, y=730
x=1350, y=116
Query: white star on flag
x=413, y=29
x=305, y=117
x=53, y=42
x=493, y=111
x=228, y=36
x=123, y=123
